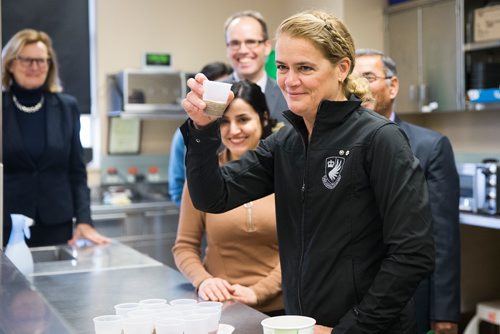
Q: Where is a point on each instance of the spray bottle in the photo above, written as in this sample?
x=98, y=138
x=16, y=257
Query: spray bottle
x=17, y=249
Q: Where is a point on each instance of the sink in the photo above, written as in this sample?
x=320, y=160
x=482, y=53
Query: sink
x=51, y=254
x=65, y=259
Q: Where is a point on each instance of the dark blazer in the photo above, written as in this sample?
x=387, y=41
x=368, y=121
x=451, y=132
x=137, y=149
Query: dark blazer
x=275, y=100
x=438, y=297
x=55, y=188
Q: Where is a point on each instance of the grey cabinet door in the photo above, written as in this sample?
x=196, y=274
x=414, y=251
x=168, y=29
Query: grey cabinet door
x=440, y=54
x=403, y=47
x=423, y=42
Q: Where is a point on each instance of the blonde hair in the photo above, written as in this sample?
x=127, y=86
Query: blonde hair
x=331, y=37
x=14, y=47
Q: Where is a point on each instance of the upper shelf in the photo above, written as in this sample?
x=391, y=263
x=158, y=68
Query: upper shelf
x=153, y=115
x=481, y=45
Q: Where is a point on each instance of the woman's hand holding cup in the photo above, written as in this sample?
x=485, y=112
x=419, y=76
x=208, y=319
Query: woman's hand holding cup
x=195, y=106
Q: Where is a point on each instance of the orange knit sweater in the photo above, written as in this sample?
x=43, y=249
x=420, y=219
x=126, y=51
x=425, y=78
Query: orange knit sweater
x=233, y=253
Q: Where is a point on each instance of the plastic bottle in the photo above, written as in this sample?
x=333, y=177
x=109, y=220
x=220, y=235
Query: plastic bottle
x=17, y=249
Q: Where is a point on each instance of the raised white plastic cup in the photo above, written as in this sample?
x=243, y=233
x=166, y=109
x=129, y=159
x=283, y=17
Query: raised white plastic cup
x=152, y=303
x=215, y=96
x=139, y=325
x=213, y=314
x=288, y=324
x=108, y=324
x=124, y=308
x=196, y=324
x=169, y=326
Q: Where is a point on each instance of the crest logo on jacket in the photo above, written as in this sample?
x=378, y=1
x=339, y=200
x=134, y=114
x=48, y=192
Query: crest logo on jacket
x=333, y=168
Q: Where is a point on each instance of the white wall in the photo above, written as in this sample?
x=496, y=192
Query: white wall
x=365, y=19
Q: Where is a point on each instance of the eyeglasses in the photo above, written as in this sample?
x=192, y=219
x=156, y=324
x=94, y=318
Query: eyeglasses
x=28, y=62
x=250, y=43
x=372, y=77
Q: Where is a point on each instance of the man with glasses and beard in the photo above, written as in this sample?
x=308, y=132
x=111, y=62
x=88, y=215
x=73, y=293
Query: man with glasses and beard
x=437, y=298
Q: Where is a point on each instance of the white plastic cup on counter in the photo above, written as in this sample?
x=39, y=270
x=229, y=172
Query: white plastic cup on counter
x=124, y=308
x=141, y=313
x=184, y=305
x=173, y=325
x=168, y=313
x=196, y=324
x=211, y=304
x=213, y=314
x=138, y=325
x=108, y=324
x=183, y=301
x=152, y=303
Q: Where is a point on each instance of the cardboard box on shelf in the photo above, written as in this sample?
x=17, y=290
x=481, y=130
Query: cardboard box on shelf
x=487, y=23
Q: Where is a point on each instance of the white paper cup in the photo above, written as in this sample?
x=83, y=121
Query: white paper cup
x=108, y=324
x=152, y=303
x=288, y=324
x=215, y=96
x=196, y=324
x=169, y=326
x=124, y=308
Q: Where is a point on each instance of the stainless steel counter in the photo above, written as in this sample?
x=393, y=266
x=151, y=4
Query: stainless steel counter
x=63, y=259
x=23, y=309
x=69, y=299
x=80, y=297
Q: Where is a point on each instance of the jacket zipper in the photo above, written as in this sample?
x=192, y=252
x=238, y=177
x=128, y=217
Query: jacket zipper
x=303, y=199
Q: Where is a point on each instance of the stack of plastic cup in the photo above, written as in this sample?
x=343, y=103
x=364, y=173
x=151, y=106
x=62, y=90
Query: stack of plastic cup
x=124, y=308
x=180, y=316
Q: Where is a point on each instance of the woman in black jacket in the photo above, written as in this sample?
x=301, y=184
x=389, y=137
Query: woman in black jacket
x=44, y=174
x=353, y=219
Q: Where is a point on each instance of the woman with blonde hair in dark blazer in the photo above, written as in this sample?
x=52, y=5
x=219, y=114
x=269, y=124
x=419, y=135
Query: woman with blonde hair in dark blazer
x=44, y=174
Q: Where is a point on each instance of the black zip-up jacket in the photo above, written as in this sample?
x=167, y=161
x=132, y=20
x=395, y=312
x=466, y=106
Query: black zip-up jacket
x=354, y=225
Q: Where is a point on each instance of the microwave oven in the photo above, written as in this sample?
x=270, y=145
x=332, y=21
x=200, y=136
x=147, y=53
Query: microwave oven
x=147, y=91
x=479, y=188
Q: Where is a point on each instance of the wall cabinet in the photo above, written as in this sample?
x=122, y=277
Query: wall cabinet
x=423, y=39
x=481, y=58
